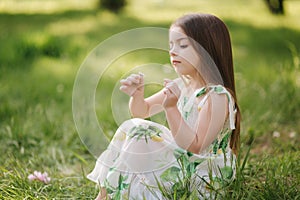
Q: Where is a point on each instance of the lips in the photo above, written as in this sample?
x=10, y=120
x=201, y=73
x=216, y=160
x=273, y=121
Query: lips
x=175, y=62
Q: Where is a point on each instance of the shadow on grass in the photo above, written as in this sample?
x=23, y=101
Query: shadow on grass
x=24, y=37
x=61, y=35
x=27, y=36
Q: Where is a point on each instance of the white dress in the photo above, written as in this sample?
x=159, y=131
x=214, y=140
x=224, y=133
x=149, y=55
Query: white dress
x=142, y=159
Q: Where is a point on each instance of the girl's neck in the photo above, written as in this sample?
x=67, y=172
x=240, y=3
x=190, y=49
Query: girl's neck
x=195, y=82
x=194, y=85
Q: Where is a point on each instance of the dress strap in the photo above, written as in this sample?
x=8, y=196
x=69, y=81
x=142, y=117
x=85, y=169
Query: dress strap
x=219, y=89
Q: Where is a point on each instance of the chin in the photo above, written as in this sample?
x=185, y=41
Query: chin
x=182, y=73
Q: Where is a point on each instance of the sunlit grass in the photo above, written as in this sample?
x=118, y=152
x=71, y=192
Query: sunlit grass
x=45, y=6
x=254, y=13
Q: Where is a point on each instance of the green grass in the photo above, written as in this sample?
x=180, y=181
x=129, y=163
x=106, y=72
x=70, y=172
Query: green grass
x=41, y=49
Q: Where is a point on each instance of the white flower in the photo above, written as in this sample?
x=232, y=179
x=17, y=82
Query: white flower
x=292, y=134
x=276, y=134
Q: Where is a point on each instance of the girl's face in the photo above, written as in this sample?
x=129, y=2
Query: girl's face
x=184, y=57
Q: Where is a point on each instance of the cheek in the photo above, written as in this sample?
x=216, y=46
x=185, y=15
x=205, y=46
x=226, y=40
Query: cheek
x=192, y=58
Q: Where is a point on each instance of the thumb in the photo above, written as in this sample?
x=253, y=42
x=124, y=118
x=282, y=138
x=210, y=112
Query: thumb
x=166, y=81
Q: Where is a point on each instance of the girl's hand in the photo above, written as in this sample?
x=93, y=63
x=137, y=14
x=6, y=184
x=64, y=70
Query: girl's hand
x=132, y=84
x=172, y=93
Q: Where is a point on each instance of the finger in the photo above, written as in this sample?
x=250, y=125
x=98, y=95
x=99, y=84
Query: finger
x=173, y=88
x=167, y=81
x=166, y=91
x=141, y=78
x=126, y=90
x=134, y=79
x=169, y=84
x=141, y=74
x=122, y=88
x=135, y=76
x=125, y=82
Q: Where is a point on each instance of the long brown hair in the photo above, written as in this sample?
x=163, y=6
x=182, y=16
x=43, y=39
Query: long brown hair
x=212, y=34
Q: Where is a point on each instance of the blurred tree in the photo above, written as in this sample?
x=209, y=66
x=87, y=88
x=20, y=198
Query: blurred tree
x=275, y=6
x=112, y=5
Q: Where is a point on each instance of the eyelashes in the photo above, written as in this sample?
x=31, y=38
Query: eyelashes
x=182, y=46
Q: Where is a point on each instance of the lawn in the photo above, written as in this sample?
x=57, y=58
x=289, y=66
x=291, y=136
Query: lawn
x=44, y=43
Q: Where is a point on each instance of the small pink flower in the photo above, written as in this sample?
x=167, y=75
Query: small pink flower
x=43, y=177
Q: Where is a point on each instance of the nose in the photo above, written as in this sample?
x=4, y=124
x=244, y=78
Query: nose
x=172, y=52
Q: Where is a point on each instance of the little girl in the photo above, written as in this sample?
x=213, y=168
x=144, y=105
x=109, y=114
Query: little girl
x=146, y=160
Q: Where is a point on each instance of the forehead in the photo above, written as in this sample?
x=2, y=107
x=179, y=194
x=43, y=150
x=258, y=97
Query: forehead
x=176, y=33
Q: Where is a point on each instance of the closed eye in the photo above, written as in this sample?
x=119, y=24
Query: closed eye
x=183, y=46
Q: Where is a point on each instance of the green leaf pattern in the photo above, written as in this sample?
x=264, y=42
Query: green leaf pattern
x=185, y=113
x=145, y=132
x=220, y=144
x=117, y=193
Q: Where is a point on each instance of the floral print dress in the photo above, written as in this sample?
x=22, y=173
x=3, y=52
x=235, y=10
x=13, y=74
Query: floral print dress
x=144, y=162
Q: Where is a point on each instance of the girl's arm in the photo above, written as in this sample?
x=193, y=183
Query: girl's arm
x=143, y=108
x=140, y=107
x=210, y=121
